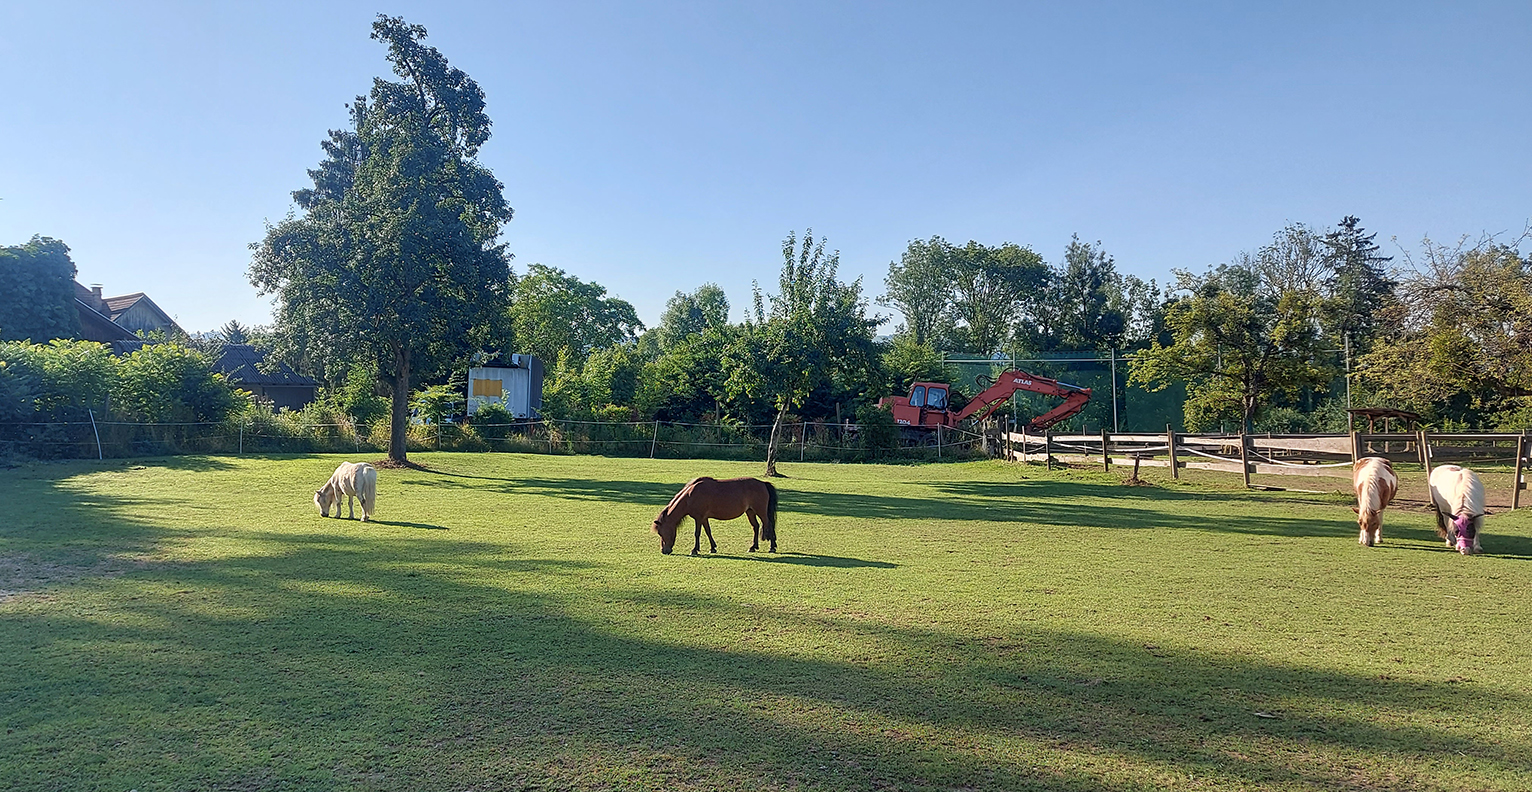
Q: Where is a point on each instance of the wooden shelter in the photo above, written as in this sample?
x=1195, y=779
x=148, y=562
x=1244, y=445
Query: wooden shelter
x=1374, y=415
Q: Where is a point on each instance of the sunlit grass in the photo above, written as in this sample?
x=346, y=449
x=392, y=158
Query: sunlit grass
x=508, y=622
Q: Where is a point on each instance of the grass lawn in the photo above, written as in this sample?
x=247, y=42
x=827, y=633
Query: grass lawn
x=509, y=623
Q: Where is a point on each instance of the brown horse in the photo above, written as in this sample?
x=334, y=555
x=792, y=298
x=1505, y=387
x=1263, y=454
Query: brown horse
x=704, y=499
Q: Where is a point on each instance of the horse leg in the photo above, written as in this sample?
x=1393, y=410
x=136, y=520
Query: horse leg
x=697, y=545
x=755, y=525
x=350, y=507
x=712, y=545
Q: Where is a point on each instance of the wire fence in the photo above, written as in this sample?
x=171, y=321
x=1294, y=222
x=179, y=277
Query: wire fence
x=816, y=441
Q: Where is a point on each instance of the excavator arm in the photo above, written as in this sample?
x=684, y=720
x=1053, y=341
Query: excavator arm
x=1015, y=380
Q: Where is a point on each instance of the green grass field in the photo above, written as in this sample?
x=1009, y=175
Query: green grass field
x=509, y=623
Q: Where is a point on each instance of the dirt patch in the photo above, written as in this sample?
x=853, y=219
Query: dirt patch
x=394, y=464
x=21, y=575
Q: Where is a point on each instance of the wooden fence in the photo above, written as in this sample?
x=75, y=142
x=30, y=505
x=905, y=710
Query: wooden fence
x=1328, y=455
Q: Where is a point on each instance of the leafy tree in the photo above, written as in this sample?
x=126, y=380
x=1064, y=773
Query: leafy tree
x=1357, y=283
x=394, y=261
x=990, y=285
x=816, y=326
x=1236, y=342
x=1456, y=343
x=556, y=313
x=920, y=285
x=57, y=381
x=37, y=291
x=686, y=315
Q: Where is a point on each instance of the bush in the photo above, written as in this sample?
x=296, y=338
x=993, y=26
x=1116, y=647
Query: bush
x=171, y=382
x=490, y=421
x=879, y=433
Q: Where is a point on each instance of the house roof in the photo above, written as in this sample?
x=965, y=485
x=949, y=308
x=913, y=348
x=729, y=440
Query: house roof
x=95, y=326
x=115, y=306
x=241, y=364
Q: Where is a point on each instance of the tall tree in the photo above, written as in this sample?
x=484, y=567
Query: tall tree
x=990, y=285
x=1357, y=283
x=37, y=291
x=689, y=314
x=920, y=286
x=1087, y=292
x=554, y=312
x=815, y=327
x=394, y=259
x=1237, y=342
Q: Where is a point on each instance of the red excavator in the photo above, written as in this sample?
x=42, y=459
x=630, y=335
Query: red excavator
x=926, y=406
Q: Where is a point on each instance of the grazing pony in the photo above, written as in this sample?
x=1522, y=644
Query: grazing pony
x=1375, y=484
x=704, y=499
x=351, y=479
x=1457, y=495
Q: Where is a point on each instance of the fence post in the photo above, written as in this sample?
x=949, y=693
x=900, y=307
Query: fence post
x=1425, y=458
x=1048, y=449
x=939, y=441
x=1170, y=446
x=803, y=441
x=1521, y=454
x=655, y=440
x=1244, y=457
x=241, y=438
x=1355, y=446
x=97, y=432
x=1106, y=458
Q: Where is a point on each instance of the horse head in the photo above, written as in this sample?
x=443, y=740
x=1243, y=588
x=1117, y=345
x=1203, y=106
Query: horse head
x=1371, y=522
x=1465, y=529
x=665, y=527
x=323, y=499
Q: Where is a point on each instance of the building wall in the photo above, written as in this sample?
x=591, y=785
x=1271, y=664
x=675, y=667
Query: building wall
x=142, y=317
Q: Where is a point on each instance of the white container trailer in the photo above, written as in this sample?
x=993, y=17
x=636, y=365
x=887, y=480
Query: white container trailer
x=516, y=385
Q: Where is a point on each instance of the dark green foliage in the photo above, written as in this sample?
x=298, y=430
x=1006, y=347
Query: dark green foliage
x=879, y=434
x=1358, y=286
x=490, y=421
x=994, y=288
x=394, y=262
x=37, y=292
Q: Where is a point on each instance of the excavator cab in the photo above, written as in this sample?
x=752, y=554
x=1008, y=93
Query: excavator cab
x=925, y=406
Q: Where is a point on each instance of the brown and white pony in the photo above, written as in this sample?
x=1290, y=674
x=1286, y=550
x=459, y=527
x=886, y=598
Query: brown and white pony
x=1375, y=483
x=704, y=499
x=1457, y=495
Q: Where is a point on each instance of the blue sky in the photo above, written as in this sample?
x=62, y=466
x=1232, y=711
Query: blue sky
x=653, y=147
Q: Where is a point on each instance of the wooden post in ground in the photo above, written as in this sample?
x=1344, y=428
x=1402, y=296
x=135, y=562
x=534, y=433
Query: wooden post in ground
x=1170, y=446
x=654, y=439
x=1106, y=458
x=1047, y=449
x=1244, y=457
x=1516, y=485
x=1355, y=449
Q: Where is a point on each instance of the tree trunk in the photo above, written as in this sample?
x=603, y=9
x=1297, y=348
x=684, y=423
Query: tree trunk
x=399, y=420
x=771, y=447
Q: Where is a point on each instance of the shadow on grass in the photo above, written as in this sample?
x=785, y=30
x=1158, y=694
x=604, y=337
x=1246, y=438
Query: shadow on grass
x=806, y=559
x=400, y=524
x=344, y=659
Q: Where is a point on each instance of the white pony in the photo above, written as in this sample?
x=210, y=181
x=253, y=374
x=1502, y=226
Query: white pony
x=351, y=479
x=1457, y=495
x=1375, y=483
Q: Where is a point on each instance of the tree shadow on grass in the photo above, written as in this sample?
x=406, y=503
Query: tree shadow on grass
x=466, y=678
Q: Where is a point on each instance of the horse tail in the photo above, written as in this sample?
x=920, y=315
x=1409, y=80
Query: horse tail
x=769, y=525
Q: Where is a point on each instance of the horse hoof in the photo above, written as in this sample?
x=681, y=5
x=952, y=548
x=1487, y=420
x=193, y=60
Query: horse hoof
x=754, y=548
x=695, y=553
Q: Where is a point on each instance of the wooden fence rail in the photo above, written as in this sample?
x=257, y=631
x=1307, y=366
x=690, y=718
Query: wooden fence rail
x=1327, y=455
